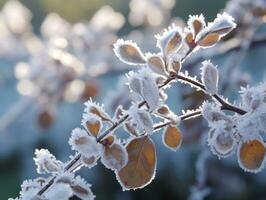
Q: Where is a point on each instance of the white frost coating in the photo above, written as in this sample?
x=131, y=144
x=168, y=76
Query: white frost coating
x=87, y=145
x=46, y=162
x=209, y=77
x=141, y=119
x=116, y=159
x=244, y=140
x=165, y=40
x=59, y=191
x=85, y=192
x=129, y=52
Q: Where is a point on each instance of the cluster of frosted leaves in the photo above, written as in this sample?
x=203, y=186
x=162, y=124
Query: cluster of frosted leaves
x=65, y=184
x=146, y=86
x=243, y=134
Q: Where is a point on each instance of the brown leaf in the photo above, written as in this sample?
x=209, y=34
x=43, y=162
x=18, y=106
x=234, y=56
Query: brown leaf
x=93, y=127
x=140, y=168
x=104, y=116
x=172, y=137
x=90, y=90
x=108, y=141
x=251, y=155
x=209, y=40
x=189, y=38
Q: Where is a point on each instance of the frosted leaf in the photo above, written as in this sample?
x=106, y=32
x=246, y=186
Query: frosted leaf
x=114, y=157
x=131, y=128
x=156, y=64
x=59, y=191
x=94, y=108
x=174, y=66
x=165, y=112
x=46, y=162
x=210, y=77
x=129, y=52
x=172, y=138
x=142, y=119
x=65, y=178
x=144, y=84
x=221, y=142
x=92, y=123
x=221, y=26
x=196, y=23
x=251, y=154
x=81, y=189
x=83, y=143
x=170, y=41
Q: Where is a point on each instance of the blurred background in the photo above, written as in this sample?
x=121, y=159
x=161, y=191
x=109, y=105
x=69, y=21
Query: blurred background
x=55, y=55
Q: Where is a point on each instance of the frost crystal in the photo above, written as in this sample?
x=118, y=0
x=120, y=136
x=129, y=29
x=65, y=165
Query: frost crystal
x=60, y=191
x=46, y=162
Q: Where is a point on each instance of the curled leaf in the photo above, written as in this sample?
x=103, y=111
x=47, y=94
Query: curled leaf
x=172, y=137
x=140, y=168
x=128, y=52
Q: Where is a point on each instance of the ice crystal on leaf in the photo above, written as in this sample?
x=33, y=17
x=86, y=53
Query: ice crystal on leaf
x=210, y=77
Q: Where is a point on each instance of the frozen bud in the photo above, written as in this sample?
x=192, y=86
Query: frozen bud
x=87, y=145
x=46, y=162
x=142, y=120
x=251, y=154
x=82, y=189
x=114, y=157
x=196, y=24
x=156, y=64
x=59, y=191
x=92, y=123
x=172, y=138
x=170, y=41
x=221, y=142
x=128, y=52
x=210, y=77
x=96, y=109
x=108, y=141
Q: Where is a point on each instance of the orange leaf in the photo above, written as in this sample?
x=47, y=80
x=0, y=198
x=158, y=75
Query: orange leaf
x=140, y=168
x=172, y=137
x=251, y=155
x=209, y=40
